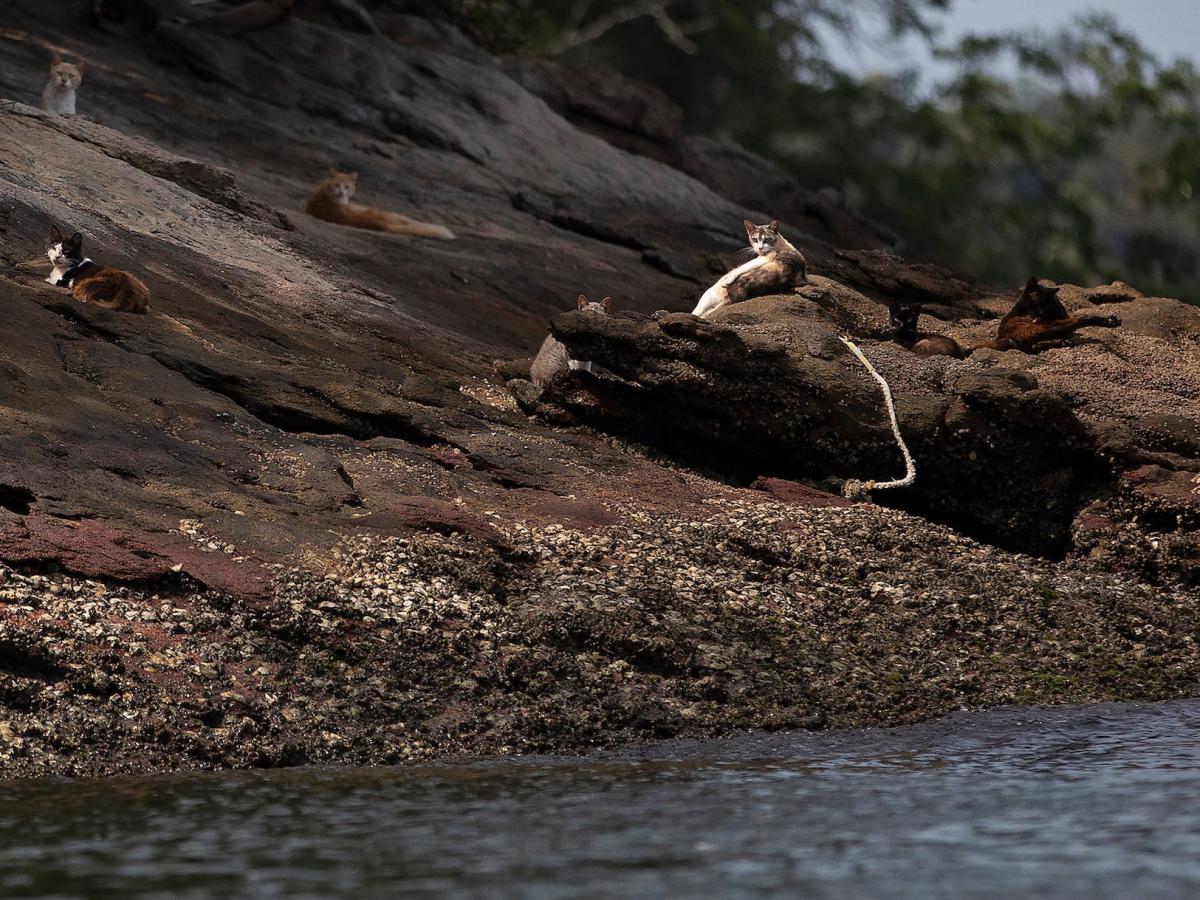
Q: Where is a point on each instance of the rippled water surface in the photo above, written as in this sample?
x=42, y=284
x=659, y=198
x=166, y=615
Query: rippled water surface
x=1099, y=801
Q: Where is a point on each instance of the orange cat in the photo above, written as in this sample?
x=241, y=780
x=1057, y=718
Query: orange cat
x=58, y=96
x=331, y=202
x=92, y=283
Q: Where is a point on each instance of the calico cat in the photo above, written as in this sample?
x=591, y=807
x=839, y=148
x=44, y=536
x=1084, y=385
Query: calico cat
x=1038, y=321
x=777, y=268
x=553, y=359
x=58, y=96
x=331, y=202
x=904, y=323
x=91, y=283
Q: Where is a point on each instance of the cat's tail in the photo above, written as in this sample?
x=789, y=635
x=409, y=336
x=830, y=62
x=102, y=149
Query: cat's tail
x=383, y=220
x=135, y=298
x=116, y=290
x=398, y=224
x=855, y=489
x=1000, y=344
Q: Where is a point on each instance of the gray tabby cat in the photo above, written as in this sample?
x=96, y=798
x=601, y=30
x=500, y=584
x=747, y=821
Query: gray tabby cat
x=553, y=359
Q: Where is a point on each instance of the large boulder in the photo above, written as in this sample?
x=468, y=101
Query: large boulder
x=769, y=390
x=1010, y=447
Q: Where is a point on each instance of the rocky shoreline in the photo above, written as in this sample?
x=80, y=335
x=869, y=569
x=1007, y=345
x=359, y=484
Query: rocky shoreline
x=757, y=615
x=295, y=515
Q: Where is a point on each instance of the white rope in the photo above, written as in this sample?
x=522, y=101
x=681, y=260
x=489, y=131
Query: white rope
x=854, y=489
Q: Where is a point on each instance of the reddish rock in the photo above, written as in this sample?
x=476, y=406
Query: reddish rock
x=797, y=492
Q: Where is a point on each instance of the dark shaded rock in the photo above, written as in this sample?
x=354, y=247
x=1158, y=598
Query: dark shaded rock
x=998, y=457
x=626, y=113
x=430, y=34
x=639, y=118
x=758, y=183
x=509, y=369
x=881, y=274
x=1170, y=432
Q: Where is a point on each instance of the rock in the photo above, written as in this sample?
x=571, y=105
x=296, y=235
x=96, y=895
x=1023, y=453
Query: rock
x=797, y=492
x=758, y=183
x=212, y=182
x=639, y=118
x=296, y=501
x=768, y=390
x=626, y=113
x=241, y=400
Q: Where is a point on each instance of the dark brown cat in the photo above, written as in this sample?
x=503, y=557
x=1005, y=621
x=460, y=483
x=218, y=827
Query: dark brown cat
x=1038, y=321
x=904, y=322
x=91, y=283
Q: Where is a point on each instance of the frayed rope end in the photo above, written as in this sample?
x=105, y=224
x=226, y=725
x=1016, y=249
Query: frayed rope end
x=853, y=489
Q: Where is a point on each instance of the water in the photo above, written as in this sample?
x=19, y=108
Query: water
x=1100, y=801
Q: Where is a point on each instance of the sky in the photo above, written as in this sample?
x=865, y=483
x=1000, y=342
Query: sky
x=1169, y=28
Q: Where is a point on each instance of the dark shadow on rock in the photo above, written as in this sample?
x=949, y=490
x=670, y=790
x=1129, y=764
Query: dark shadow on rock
x=998, y=457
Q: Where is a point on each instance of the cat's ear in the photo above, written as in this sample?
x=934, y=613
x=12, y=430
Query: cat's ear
x=581, y=302
x=332, y=173
x=774, y=226
x=606, y=304
x=353, y=176
x=55, y=59
x=81, y=65
x=75, y=241
x=1031, y=285
x=750, y=226
x=55, y=235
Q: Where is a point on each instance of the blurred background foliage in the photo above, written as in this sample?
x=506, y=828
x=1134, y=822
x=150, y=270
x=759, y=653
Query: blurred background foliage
x=1075, y=155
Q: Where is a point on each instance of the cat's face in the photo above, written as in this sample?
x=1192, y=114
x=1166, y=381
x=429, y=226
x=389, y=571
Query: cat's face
x=763, y=238
x=583, y=304
x=66, y=76
x=340, y=186
x=904, y=317
x=63, y=251
x=1046, y=304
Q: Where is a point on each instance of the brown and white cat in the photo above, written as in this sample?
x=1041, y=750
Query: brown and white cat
x=777, y=268
x=553, y=359
x=331, y=202
x=91, y=283
x=58, y=96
